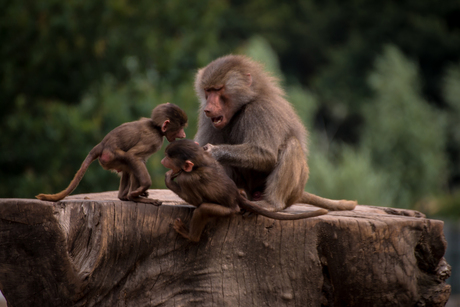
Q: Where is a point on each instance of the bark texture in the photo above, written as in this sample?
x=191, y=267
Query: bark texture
x=95, y=250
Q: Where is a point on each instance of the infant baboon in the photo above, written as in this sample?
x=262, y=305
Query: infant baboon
x=200, y=180
x=125, y=150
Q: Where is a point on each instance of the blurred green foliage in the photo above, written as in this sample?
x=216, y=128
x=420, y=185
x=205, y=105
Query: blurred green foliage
x=376, y=83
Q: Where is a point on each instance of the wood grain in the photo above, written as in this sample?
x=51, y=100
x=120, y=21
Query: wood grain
x=95, y=250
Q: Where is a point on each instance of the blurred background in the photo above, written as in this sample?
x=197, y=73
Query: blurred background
x=377, y=83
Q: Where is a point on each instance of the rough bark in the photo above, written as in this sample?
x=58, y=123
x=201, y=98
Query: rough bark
x=95, y=250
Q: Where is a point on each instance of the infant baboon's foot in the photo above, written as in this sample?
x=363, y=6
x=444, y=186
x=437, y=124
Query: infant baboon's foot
x=145, y=194
x=144, y=200
x=180, y=228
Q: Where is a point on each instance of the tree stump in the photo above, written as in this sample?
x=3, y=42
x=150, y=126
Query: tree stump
x=95, y=250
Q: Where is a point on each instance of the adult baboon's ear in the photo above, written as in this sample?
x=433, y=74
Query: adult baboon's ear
x=249, y=79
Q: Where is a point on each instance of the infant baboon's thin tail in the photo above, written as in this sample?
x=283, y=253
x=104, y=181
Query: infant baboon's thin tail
x=93, y=155
x=253, y=207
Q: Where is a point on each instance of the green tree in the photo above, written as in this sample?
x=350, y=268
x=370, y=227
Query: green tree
x=451, y=91
x=72, y=71
x=403, y=133
x=448, y=205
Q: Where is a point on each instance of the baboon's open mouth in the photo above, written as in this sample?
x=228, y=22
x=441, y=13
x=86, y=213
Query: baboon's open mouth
x=217, y=120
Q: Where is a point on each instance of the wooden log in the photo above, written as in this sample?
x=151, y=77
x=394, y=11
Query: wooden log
x=95, y=250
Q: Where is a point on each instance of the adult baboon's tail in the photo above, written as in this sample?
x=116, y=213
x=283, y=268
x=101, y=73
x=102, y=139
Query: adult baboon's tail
x=329, y=204
x=93, y=155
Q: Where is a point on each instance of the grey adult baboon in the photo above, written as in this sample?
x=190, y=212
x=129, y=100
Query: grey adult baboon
x=247, y=125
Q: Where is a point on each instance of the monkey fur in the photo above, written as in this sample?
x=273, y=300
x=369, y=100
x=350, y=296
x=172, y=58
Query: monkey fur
x=252, y=130
x=200, y=180
x=125, y=150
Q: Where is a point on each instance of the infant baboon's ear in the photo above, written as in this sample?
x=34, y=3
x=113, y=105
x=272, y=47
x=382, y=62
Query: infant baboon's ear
x=188, y=166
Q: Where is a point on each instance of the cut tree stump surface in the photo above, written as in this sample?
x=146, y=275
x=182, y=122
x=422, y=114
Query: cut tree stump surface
x=95, y=250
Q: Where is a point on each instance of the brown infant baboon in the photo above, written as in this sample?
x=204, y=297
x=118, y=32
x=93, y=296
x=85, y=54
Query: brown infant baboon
x=200, y=180
x=248, y=126
x=126, y=148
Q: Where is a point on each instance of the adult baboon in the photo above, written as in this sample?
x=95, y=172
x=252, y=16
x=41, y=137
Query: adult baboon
x=248, y=126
